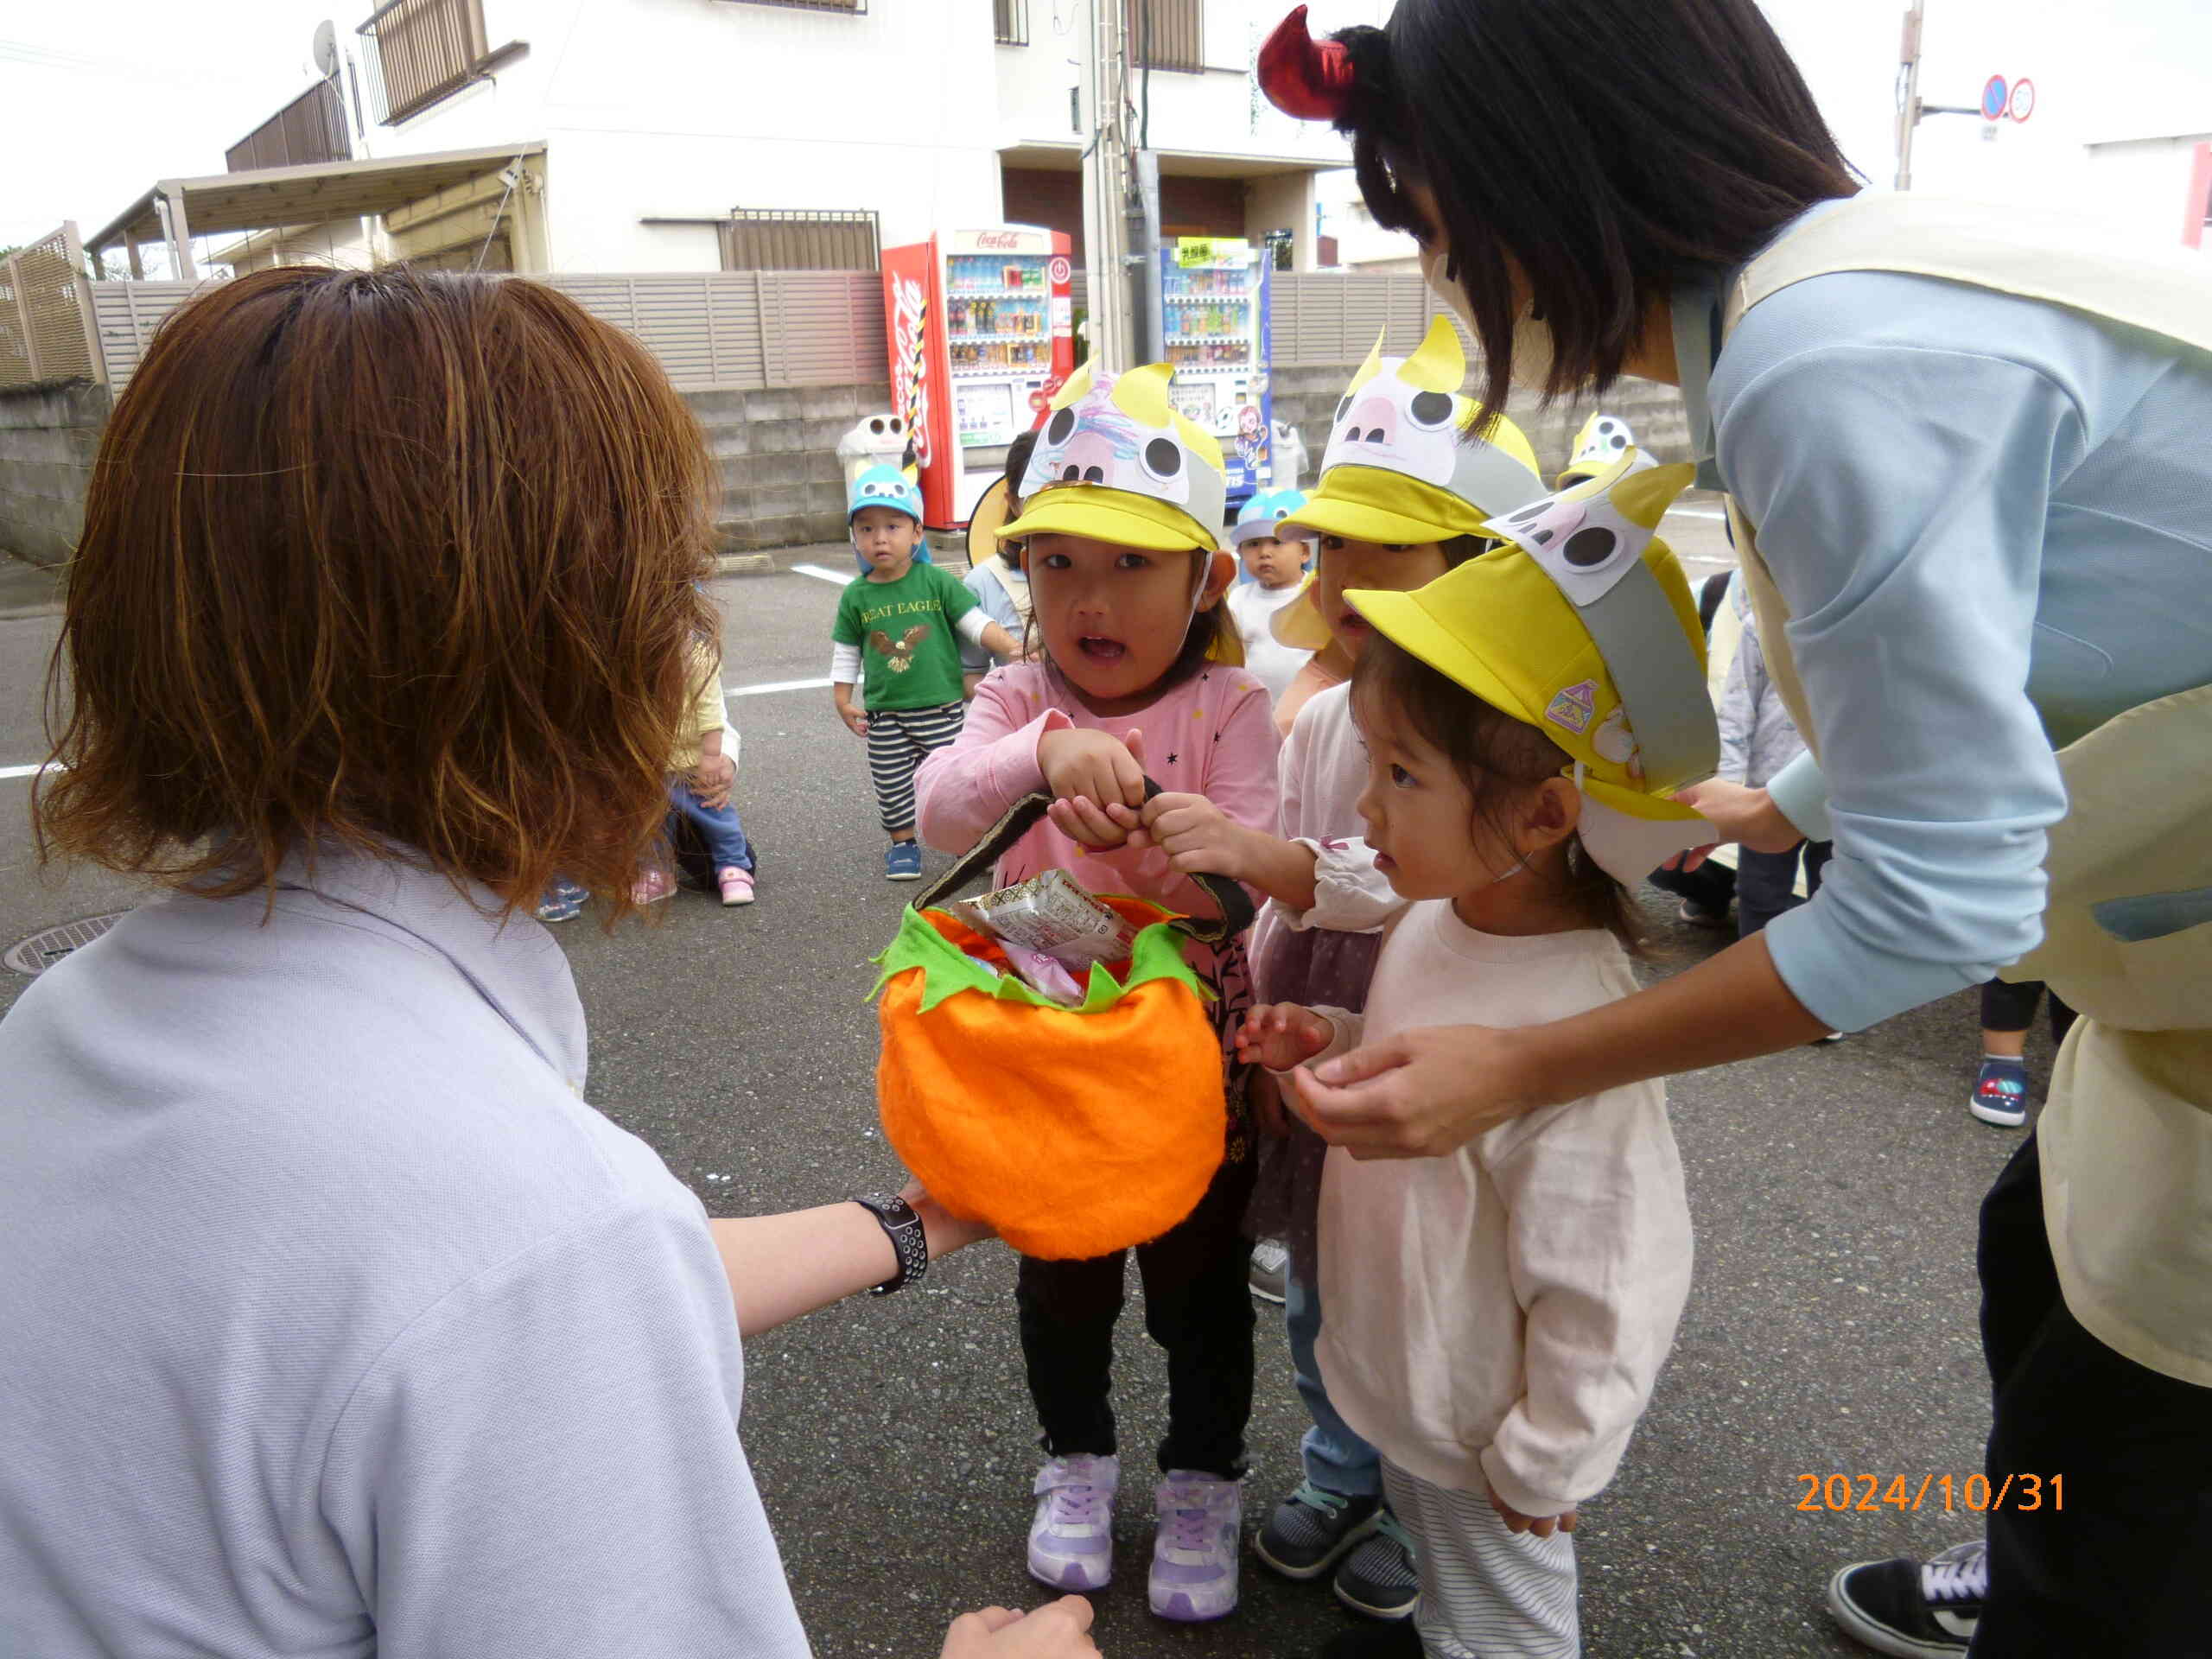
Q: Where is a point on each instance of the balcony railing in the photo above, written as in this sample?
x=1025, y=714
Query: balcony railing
x=309, y=129
x=420, y=51
x=772, y=238
x=1169, y=33
x=1012, y=18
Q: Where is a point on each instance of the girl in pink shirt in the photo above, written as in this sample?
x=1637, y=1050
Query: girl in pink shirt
x=1121, y=501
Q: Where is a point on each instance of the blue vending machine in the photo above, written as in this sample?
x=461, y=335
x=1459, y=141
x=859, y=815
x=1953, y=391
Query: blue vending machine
x=1214, y=291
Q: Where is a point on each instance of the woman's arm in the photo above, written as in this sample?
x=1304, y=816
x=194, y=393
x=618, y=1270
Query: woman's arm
x=1423, y=1093
x=781, y=1267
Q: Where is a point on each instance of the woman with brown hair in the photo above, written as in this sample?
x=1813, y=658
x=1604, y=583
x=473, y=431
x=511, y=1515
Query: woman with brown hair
x=1963, y=445
x=335, y=1321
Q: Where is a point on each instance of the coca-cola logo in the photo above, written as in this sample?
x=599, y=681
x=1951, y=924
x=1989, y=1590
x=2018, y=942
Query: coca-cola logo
x=1001, y=241
x=908, y=337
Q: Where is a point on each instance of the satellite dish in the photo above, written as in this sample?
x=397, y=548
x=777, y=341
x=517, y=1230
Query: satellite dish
x=325, y=50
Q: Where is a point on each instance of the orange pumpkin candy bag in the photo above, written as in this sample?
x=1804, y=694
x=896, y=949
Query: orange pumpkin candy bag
x=1074, y=1132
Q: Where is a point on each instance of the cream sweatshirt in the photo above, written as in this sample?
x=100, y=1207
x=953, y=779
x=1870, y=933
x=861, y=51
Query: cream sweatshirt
x=1496, y=1318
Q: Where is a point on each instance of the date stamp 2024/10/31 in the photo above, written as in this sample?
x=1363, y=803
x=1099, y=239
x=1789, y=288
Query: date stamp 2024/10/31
x=1975, y=1493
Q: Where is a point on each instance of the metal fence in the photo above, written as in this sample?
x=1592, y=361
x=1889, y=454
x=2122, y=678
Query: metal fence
x=1169, y=33
x=311, y=128
x=769, y=238
x=1320, y=318
x=750, y=329
x=46, y=331
x=1010, y=22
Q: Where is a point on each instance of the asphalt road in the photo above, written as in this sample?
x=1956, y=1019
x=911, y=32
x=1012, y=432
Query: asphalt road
x=1831, y=1329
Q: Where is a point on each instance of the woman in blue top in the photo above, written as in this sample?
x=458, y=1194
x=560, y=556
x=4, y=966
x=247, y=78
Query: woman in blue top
x=1983, y=509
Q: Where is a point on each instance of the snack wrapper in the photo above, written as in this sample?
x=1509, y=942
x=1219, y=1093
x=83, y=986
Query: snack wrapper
x=1053, y=914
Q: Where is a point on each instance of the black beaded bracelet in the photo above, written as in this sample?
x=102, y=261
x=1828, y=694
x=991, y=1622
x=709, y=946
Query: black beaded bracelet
x=898, y=1220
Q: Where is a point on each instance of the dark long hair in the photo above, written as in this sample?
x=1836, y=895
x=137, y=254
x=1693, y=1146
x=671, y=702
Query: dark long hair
x=382, y=557
x=1608, y=148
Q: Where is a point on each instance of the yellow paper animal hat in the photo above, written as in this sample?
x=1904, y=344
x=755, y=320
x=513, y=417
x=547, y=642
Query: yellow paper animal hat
x=1603, y=440
x=1117, y=462
x=1400, y=469
x=1585, y=629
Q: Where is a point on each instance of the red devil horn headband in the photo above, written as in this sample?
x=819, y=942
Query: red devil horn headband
x=1304, y=77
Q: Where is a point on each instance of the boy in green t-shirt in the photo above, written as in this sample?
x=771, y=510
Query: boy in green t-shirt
x=899, y=621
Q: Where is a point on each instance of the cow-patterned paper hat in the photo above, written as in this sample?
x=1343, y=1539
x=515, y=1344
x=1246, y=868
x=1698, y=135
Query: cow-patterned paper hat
x=1118, y=462
x=1401, y=467
x=1585, y=629
x=1603, y=440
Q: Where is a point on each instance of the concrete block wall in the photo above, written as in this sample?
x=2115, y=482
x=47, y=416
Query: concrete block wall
x=48, y=435
x=1307, y=397
x=777, y=453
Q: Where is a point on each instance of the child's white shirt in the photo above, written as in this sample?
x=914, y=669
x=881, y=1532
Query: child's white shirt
x=1497, y=1317
x=1321, y=776
x=1252, y=608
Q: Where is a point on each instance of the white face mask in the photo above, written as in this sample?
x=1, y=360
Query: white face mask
x=1532, y=340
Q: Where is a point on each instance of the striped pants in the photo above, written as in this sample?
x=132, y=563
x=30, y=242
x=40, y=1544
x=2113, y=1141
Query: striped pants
x=896, y=740
x=1485, y=1593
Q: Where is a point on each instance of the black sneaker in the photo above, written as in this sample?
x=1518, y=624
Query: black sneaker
x=1312, y=1529
x=1388, y=1642
x=1913, y=1609
x=1379, y=1578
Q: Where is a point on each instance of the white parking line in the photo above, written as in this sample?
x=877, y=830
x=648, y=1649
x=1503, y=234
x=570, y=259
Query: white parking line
x=767, y=686
x=1696, y=512
x=24, y=772
x=820, y=575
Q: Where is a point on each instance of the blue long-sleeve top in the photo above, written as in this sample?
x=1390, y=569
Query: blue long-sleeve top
x=1992, y=520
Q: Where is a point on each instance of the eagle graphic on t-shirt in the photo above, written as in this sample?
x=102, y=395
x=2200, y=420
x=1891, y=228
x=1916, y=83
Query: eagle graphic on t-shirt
x=899, y=658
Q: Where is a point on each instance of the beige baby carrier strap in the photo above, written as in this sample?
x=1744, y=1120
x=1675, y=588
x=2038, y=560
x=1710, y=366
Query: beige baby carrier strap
x=2137, y=824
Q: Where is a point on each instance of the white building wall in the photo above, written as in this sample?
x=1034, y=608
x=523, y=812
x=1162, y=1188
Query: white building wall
x=686, y=108
x=2145, y=183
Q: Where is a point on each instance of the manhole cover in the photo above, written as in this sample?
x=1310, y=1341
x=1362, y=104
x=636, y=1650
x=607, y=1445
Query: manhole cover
x=41, y=950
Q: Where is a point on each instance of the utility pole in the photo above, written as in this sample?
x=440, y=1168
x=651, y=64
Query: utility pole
x=1108, y=187
x=1911, y=110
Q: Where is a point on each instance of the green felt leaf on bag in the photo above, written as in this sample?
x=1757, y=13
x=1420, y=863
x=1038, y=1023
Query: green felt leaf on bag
x=947, y=970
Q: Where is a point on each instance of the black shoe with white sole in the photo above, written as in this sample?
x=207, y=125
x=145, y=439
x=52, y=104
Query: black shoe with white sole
x=1913, y=1610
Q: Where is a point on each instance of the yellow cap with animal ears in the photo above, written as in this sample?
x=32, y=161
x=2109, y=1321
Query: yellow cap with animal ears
x=1402, y=467
x=1585, y=629
x=1118, y=462
x=1603, y=440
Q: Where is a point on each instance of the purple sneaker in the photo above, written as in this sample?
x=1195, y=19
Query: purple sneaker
x=1194, y=1558
x=1072, y=1540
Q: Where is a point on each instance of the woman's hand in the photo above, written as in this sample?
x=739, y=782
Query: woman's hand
x=1542, y=1526
x=1059, y=1630
x=1279, y=1035
x=1747, y=816
x=943, y=1232
x=1420, y=1094
x=1089, y=771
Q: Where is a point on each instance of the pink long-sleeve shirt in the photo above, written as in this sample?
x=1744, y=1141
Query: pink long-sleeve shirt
x=1212, y=735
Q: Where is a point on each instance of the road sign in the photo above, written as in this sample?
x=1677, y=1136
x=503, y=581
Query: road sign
x=1993, y=94
x=2022, y=103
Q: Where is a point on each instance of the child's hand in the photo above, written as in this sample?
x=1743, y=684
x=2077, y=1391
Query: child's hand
x=1542, y=1526
x=854, y=719
x=1089, y=771
x=1280, y=1035
x=711, y=779
x=1196, y=835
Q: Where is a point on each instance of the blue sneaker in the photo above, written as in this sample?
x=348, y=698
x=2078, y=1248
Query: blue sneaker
x=563, y=901
x=902, y=862
x=2000, y=1092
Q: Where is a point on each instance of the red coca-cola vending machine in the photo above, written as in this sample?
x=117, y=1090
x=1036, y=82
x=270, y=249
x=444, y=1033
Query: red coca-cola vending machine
x=981, y=326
